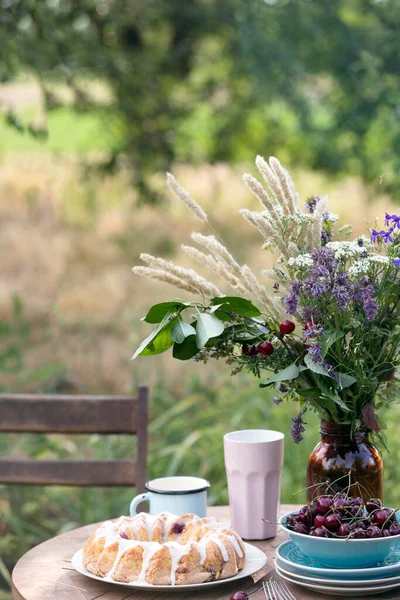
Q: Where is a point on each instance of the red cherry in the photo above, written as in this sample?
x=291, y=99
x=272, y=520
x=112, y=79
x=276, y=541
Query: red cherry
x=323, y=504
x=308, y=325
x=319, y=521
x=239, y=596
x=249, y=350
x=333, y=522
x=287, y=327
x=265, y=348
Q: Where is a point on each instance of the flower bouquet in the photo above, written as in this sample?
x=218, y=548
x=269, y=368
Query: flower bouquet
x=324, y=332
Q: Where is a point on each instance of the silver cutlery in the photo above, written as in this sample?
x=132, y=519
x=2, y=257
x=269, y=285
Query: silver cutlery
x=277, y=590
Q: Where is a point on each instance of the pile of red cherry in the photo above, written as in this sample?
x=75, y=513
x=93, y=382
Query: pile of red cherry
x=343, y=516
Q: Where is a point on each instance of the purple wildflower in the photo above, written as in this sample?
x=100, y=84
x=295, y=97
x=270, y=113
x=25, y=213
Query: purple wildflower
x=311, y=203
x=315, y=351
x=291, y=302
x=385, y=236
x=283, y=388
x=277, y=400
x=342, y=295
x=364, y=294
x=369, y=417
x=297, y=428
x=324, y=256
x=396, y=262
x=309, y=313
x=295, y=286
x=320, y=271
x=376, y=235
x=316, y=288
x=314, y=331
x=394, y=219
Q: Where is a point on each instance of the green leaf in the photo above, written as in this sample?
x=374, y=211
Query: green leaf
x=287, y=374
x=238, y=305
x=158, y=311
x=186, y=350
x=215, y=307
x=337, y=399
x=329, y=338
x=208, y=326
x=182, y=330
x=346, y=380
x=161, y=342
x=329, y=391
x=310, y=393
x=165, y=321
x=315, y=368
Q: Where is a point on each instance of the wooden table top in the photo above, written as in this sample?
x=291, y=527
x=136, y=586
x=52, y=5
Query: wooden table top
x=45, y=573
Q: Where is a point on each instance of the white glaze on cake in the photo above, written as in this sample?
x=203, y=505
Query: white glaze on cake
x=196, y=535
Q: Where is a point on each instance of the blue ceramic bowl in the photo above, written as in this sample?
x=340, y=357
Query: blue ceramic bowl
x=343, y=554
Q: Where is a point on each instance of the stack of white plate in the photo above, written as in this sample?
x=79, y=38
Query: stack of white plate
x=295, y=566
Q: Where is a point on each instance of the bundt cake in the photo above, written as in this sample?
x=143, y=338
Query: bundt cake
x=164, y=550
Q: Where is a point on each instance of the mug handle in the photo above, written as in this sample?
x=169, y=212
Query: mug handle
x=135, y=503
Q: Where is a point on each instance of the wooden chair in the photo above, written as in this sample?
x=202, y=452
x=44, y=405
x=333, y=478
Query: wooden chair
x=76, y=414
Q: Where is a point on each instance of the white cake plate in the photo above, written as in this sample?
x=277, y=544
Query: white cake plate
x=255, y=560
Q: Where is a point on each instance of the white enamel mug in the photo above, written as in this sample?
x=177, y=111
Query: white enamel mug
x=177, y=495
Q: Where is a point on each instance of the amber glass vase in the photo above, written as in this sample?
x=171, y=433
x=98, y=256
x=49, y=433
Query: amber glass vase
x=336, y=455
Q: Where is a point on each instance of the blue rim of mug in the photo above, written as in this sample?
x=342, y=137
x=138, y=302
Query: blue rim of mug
x=149, y=488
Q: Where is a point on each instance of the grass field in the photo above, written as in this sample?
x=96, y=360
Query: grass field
x=70, y=313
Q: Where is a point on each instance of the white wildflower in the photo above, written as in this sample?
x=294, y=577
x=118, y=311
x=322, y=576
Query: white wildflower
x=303, y=261
x=299, y=217
x=183, y=195
x=364, y=242
x=347, y=249
x=331, y=217
x=360, y=267
x=378, y=258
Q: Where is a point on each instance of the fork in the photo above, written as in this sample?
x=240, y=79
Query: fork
x=277, y=590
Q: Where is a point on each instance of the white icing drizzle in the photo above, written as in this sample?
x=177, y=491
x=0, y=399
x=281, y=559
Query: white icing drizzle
x=123, y=547
x=202, y=548
x=149, y=550
x=211, y=529
x=177, y=552
x=233, y=540
x=222, y=548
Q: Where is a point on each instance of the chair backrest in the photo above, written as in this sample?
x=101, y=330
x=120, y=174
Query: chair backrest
x=76, y=414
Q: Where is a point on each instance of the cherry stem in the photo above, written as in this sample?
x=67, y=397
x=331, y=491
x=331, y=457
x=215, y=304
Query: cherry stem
x=311, y=486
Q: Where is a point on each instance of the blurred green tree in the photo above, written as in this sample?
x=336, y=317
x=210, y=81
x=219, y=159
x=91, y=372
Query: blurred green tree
x=315, y=81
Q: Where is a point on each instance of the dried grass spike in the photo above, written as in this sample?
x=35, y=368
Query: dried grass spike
x=186, y=198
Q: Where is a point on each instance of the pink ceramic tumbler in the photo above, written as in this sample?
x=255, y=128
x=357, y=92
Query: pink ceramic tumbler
x=253, y=461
